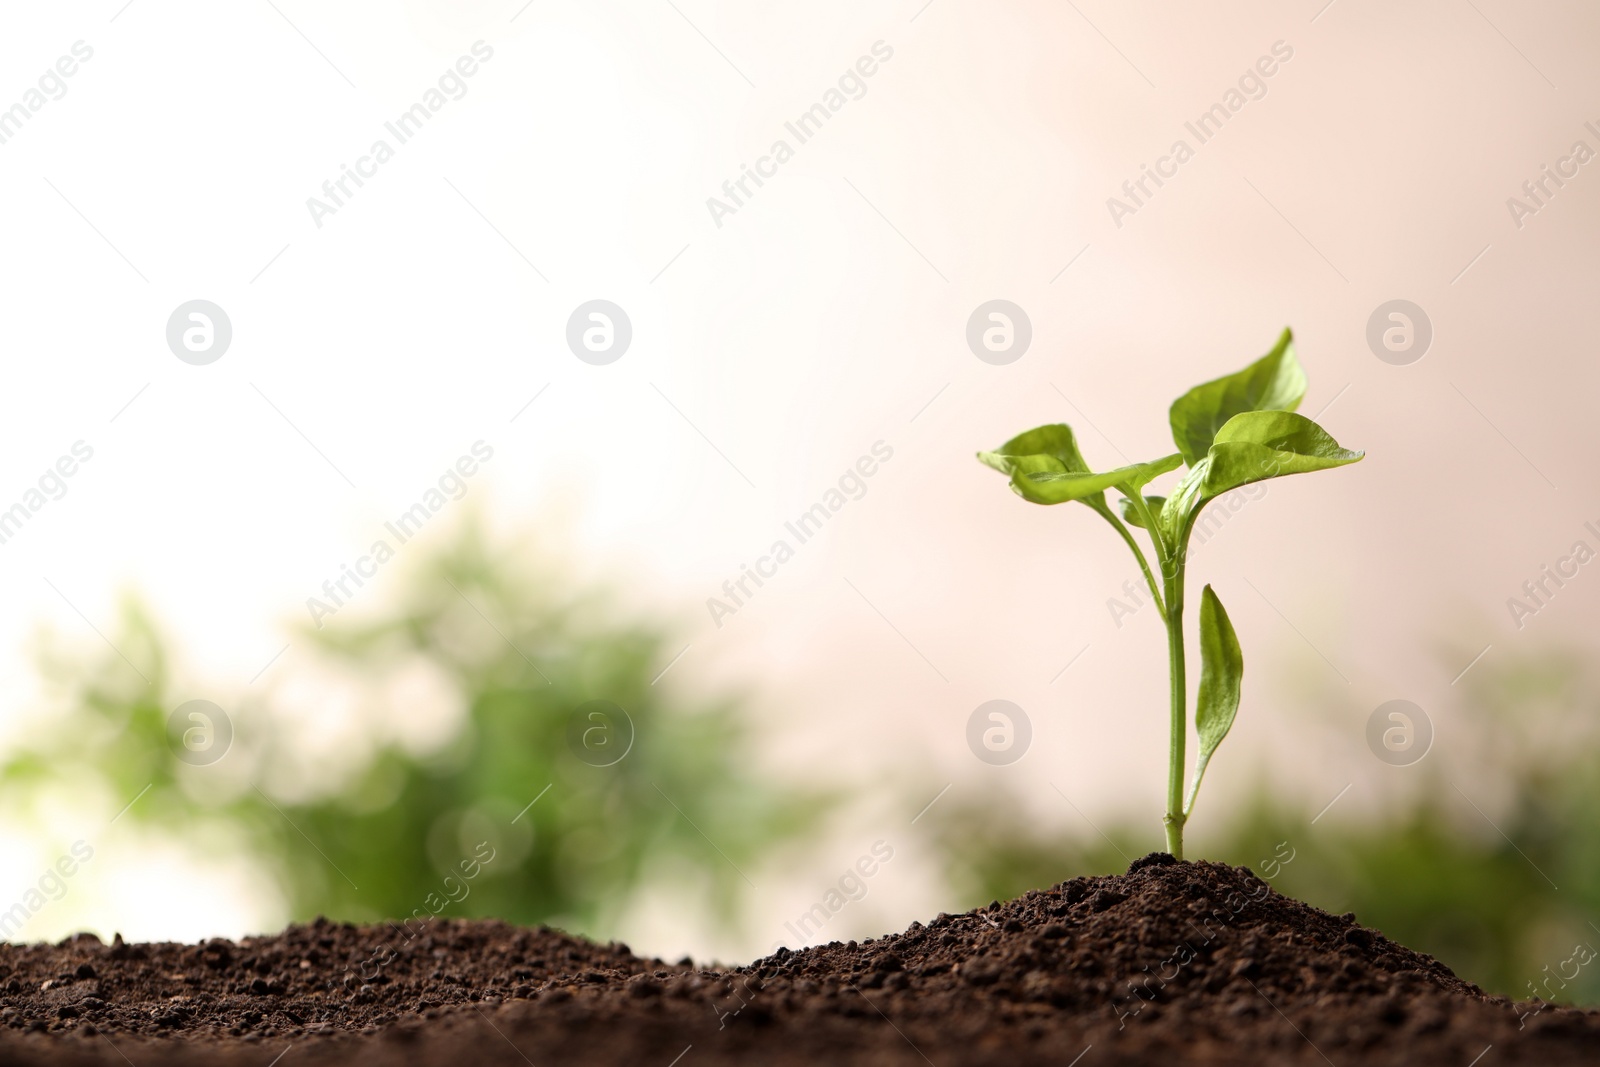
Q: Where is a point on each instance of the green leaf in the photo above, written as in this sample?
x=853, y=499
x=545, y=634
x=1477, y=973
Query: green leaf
x=1275, y=382
x=1051, y=449
x=1056, y=441
x=1252, y=447
x=1221, y=671
x=1058, y=487
x=1259, y=445
x=1046, y=467
x=1130, y=512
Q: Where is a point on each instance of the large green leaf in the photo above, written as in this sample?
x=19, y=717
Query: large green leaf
x=1221, y=671
x=1251, y=447
x=1275, y=382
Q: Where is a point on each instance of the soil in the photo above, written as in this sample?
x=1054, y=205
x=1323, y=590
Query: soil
x=1170, y=963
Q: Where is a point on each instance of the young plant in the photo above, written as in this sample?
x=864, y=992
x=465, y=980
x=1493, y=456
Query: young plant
x=1230, y=432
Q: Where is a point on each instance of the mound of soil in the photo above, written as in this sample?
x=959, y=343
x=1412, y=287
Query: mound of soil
x=1170, y=963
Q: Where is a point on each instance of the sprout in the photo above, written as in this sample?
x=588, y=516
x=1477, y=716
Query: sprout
x=1230, y=432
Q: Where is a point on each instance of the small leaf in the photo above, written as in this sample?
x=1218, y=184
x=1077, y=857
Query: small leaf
x=1258, y=445
x=1055, y=440
x=1130, y=513
x=1051, y=449
x=1221, y=671
x=1252, y=447
x=1275, y=382
x=1056, y=487
x=1046, y=467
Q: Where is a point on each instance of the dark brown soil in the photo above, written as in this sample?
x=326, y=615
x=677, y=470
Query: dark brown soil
x=1171, y=963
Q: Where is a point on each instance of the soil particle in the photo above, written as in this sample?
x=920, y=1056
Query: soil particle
x=1170, y=963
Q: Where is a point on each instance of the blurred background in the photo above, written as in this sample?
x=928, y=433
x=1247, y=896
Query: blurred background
x=551, y=660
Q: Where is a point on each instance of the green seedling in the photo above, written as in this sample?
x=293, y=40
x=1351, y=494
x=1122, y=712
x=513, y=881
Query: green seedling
x=1230, y=432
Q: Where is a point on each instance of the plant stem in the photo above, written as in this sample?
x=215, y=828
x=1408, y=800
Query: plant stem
x=1150, y=580
x=1171, y=557
x=1173, y=571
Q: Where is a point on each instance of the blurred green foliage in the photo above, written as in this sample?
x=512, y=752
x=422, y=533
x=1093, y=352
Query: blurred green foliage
x=396, y=833
x=1432, y=872
x=479, y=629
